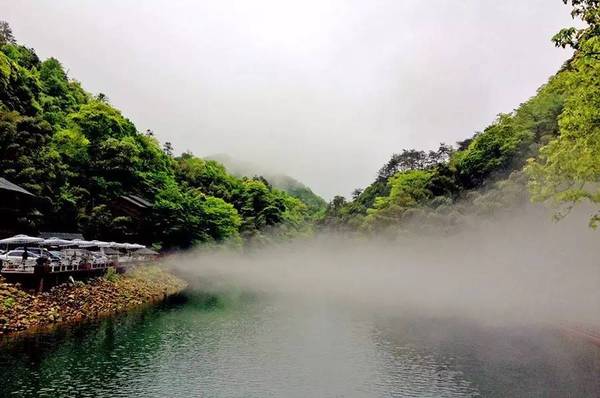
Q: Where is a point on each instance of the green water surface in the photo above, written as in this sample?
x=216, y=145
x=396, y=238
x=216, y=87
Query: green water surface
x=238, y=346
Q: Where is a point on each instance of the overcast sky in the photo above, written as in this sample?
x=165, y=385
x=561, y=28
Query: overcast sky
x=324, y=91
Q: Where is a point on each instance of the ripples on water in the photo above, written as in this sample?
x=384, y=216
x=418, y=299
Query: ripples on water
x=248, y=347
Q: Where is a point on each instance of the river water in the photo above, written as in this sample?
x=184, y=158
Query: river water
x=248, y=346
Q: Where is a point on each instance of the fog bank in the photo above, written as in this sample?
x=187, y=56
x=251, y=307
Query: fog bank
x=520, y=268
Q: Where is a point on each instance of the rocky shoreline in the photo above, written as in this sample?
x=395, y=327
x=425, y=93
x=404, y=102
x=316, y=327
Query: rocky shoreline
x=22, y=312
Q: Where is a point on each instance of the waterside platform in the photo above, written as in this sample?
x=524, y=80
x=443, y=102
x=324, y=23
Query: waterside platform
x=44, y=277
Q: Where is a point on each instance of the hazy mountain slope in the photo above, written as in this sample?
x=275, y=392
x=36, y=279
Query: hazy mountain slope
x=280, y=181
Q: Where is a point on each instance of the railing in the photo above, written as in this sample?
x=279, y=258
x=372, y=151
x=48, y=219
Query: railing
x=13, y=267
x=70, y=265
x=64, y=266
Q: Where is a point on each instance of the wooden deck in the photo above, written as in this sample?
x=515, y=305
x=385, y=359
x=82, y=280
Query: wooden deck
x=44, y=277
x=54, y=268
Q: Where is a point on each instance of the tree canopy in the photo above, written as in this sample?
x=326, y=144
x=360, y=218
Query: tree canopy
x=550, y=143
x=80, y=155
x=567, y=169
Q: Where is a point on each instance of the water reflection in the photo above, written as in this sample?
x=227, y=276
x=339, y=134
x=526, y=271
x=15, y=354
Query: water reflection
x=247, y=347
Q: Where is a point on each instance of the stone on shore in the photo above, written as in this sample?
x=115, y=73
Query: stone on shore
x=20, y=310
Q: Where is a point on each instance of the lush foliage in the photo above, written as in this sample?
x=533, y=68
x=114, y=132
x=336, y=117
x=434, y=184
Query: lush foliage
x=316, y=205
x=558, y=130
x=567, y=169
x=589, y=12
x=314, y=202
x=80, y=156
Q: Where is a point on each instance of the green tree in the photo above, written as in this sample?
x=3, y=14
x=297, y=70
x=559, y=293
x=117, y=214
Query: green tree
x=168, y=148
x=207, y=175
x=588, y=12
x=19, y=86
x=72, y=145
x=6, y=34
x=407, y=190
x=99, y=121
x=567, y=170
x=186, y=217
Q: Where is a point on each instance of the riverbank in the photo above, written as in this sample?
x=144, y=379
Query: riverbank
x=23, y=312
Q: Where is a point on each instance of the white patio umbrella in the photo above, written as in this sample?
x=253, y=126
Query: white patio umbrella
x=93, y=243
x=133, y=246
x=118, y=245
x=56, y=242
x=21, y=240
x=80, y=243
x=99, y=243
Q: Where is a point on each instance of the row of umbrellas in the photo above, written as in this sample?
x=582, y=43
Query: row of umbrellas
x=27, y=240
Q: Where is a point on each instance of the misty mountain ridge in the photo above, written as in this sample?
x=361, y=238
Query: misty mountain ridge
x=241, y=168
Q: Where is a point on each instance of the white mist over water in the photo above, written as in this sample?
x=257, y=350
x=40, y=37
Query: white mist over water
x=524, y=268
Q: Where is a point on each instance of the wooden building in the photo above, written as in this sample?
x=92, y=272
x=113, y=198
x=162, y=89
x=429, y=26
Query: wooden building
x=138, y=211
x=131, y=206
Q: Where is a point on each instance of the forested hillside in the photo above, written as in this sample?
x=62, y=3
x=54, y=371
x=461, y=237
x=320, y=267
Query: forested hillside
x=79, y=155
x=295, y=188
x=549, y=144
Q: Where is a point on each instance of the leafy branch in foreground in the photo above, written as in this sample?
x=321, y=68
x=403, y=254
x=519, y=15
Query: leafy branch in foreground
x=588, y=12
x=567, y=170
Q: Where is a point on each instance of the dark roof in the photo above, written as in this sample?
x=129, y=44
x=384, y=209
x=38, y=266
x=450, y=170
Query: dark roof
x=110, y=250
x=9, y=186
x=141, y=200
x=61, y=235
x=136, y=201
